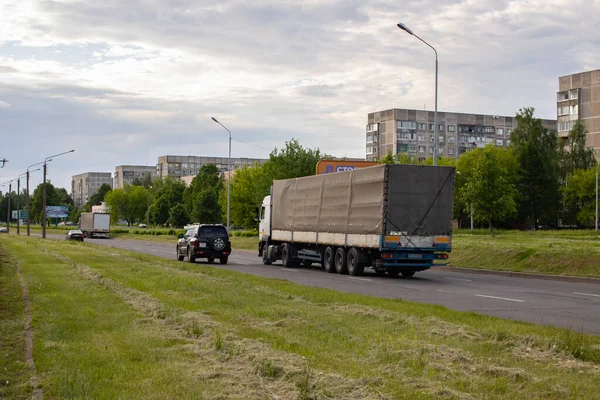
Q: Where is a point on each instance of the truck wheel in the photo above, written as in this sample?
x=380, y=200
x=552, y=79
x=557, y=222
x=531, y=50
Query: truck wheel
x=179, y=256
x=328, y=260
x=286, y=257
x=340, y=261
x=265, y=256
x=408, y=274
x=190, y=258
x=354, y=267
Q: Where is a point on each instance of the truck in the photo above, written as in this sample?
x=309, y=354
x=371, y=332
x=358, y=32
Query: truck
x=395, y=219
x=94, y=224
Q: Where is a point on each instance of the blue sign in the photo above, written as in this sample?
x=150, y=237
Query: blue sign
x=57, y=211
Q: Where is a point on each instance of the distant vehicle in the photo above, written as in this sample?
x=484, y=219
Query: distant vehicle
x=204, y=241
x=142, y=226
x=395, y=219
x=95, y=224
x=74, y=234
x=69, y=223
x=3, y=230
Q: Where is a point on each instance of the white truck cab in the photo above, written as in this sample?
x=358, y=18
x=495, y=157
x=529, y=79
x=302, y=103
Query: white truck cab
x=264, y=226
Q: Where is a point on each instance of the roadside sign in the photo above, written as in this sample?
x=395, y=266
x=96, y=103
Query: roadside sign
x=57, y=211
x=329, y=166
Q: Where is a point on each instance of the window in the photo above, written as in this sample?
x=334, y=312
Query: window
x=262, y=213
x=407, y=124
x=499, y=142
x=430, y=127
x=574, y=109
x=421, y=149
x=441, y=150
x=369, y=149
x=451, y=151
x=431, y=150
x=499, y=131
x=372, y=127
x=489, y=140
x=421, y=138
x=451, y=139
x=421, y=159
x=441, y=128
x=407, y=136
x=489, y=129
x=369, y=138
x=431, y=138
x=412, y=148
x=508, y=131
x=508, y=142
x=440, y=139
x=451, y=128
x=422, y=126
x=563, y=110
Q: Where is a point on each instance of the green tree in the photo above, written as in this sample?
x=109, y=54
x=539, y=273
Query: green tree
x=201, y=197
x=488, y=191
x=575, y=154
x=178, y=216
x=98, y=197
x=579, y=196
x=537, y=153
x=145, y=180
x=159, y=210
x=388, y=159
x=249, y=186
x=129, y=203
x=54, y=197
x=293, y=161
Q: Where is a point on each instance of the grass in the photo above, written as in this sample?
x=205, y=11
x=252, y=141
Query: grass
x=111, y=323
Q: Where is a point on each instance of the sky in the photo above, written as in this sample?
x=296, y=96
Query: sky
x=124, y=82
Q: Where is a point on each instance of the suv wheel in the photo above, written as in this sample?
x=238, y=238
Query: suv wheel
x=190, y=257
x=210, y=260
x=224, y=260
x=179, y=256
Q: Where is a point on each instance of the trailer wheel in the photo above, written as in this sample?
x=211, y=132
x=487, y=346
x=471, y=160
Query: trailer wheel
x=286, y=257
x=340, y=261
x=355, y=268
x=328, y=260
x=408, y=274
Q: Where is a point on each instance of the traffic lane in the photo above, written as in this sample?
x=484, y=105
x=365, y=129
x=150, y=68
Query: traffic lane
x=566, y=304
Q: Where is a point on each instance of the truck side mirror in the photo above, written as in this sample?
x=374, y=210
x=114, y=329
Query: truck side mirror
x=180, y=236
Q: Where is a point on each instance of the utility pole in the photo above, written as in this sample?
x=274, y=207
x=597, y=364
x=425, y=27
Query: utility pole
x=8, y=208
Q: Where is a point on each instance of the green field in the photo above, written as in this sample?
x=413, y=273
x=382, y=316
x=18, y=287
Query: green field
x=116, y=324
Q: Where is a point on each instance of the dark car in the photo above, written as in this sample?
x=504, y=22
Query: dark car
x=204, y=241
x=75, y=234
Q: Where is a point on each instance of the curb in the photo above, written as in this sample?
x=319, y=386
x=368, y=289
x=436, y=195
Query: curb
x=527, y=275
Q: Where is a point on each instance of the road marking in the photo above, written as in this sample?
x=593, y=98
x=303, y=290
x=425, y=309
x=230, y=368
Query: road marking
x=446, y=291
x=587, y=294
x=242, y=263
x=500, y=298
x=459, y=279
x=359, y=279
x=288, y=269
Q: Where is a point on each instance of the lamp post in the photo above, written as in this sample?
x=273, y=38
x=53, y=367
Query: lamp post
x=148, y=217
x=468, y=180
x=435, y=117
x=27, y=198
x=8, y=208
x=19, y=198
x=228, y=174
x=44, y=191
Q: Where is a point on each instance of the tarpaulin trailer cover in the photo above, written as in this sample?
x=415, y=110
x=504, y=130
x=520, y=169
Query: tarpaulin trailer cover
x=411, y=199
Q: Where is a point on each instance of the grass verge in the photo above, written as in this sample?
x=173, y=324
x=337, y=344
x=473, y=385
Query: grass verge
x=109, y=321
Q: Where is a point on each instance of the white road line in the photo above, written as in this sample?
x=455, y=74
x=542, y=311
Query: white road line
x=288, y=269
x=242, y=263
x=359, y=279
x=587, y=294
x=446, y=291
x=500, y=298
x=459, y=279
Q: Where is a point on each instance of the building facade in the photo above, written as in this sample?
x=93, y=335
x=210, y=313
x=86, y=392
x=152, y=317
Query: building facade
x=127, y=174
x=85, y=185
x=411, y=132
x=578, y=98
x=180, y=166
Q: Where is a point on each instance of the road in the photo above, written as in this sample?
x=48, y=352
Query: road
x=571, y=305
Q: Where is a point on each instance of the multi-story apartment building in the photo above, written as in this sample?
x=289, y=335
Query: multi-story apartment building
x=85, y=185
x=578, y=98
x=179, y=166
x=127, y=173
x=411, y=132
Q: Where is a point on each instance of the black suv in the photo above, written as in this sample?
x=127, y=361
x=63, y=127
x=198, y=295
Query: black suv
x=204, y=241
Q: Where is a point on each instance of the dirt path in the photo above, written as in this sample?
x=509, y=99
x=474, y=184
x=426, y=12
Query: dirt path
x=37, y=390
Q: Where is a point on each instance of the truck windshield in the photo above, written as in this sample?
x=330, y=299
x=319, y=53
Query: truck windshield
x=211, y=231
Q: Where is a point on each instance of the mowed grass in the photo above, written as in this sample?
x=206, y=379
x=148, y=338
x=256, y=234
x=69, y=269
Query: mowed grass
x=111, y=323
x=575, y=253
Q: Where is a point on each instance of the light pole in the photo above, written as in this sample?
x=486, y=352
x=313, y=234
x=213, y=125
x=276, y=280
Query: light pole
x=228, y=174
x=148, y=217
x=596, y=195
x=468, y=180
x=8, y=208
x=44, y=191
x=27, y=199
x=435, y=117
x=19, y=199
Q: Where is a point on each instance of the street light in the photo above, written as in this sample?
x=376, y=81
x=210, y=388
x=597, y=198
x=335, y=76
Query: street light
x=435, y=117
x=468, y=180
x=8, y=208
x=44, y=191
x=228, y=174
x=28, y=202
x=19, y=199
x=148, y=218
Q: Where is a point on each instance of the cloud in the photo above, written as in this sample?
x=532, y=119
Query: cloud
x=126, y=82
x=4, y=104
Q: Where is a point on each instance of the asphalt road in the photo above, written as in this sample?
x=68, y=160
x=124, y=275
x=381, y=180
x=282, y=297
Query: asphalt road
x=549, y=302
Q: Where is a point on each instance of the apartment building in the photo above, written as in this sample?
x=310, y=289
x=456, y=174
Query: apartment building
x=411, y=132
x=578, y=98
x=83, y=186
x=180, y=166
x=127, y=174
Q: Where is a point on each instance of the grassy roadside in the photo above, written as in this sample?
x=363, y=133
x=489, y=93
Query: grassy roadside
x=164, y=329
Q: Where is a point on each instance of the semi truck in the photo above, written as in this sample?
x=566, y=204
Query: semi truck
x=395, y=219
x=94, y=224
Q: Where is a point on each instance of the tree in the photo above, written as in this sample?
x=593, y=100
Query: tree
x=159, y=210
x=54, y=197
x=293, y=161
x=249, y=186
x=201, y=197
x=574, y=154
x=537, y=153
x=579, y=196
x=388, y=159
x=129, y=203
x=488, y=193
x=178, y=216
x=145, y=180
x=98, y=197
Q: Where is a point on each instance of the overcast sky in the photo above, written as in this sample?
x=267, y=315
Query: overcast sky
x=123, y=82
